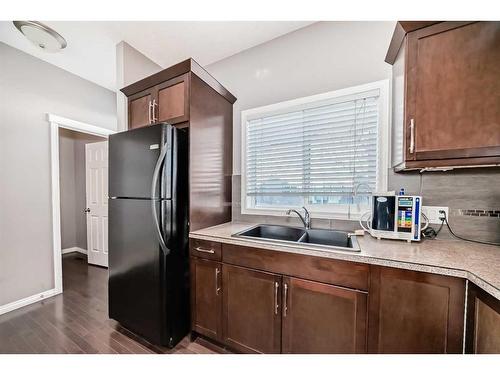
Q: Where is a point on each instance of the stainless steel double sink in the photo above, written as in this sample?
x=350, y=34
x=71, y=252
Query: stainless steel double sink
x=323, y=239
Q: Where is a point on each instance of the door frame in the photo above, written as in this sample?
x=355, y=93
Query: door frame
x=57, y=122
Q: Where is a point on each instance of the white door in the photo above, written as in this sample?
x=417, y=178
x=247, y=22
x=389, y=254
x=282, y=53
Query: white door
x=96, y=173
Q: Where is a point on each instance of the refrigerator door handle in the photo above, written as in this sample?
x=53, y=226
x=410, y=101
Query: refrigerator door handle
x=156, y=175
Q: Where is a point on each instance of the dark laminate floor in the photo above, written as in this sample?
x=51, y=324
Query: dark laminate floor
x=77, y=321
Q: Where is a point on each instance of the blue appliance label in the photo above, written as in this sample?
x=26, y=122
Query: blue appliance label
x=417, y=219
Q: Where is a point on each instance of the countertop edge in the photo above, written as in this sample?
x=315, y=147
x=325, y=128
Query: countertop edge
x=439, y=270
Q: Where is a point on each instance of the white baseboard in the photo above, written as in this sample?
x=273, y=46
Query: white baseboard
x=27, y=301
x=73, y=250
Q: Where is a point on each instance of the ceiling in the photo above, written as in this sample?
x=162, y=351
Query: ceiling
x=91, y=51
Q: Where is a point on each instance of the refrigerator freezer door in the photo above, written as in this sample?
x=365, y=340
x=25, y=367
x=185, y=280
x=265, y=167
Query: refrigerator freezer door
x=137, y=277
x=132, y=158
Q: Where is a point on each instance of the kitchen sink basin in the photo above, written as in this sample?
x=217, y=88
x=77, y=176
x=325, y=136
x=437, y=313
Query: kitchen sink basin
x=274, y=232
x=327, y=237
x=315, y=238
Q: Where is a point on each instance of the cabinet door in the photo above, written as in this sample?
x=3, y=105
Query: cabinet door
x=140, y=110
x=453, y=88
x=483, y=322
x=206, y=298
x=172, y=100
x=321, y=318
x=252, y=310
x=415, y=312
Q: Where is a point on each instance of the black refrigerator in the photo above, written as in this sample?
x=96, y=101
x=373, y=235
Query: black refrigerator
x=148, y=232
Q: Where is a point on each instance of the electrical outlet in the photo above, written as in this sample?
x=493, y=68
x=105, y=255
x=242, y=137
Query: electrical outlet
x=432, y=213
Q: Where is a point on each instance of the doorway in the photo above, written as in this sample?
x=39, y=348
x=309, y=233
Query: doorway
x=85, y=167
x=83, y=171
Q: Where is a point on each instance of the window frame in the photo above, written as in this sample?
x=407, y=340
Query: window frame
x=383, y=146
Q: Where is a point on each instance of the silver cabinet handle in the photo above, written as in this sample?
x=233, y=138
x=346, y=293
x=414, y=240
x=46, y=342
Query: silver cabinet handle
x=276, y=286
x=217, y=288
x=412, y=136
x=202, y=250
x=150, y=105
x=154, y=112
x=285, y=297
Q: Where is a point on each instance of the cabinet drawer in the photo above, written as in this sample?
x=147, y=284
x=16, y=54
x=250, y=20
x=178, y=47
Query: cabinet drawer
x=205, y=249
x=329, y=271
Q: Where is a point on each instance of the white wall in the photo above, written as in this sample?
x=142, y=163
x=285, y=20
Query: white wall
x=29, y=88
x=131, y=66
x=322, y=57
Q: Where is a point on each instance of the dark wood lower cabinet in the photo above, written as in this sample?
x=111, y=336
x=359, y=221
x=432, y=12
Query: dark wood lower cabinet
x=271, y=308
x=483, y=322
x=321, y=318
x=415, y=312
x=206, y=298
x=252, y=310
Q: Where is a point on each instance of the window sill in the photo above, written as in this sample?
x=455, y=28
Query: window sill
x=354, y=216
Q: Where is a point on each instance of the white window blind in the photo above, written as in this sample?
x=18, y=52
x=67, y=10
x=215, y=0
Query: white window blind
x=322, y=151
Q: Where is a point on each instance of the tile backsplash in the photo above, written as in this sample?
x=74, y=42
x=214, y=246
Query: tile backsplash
x=462, y=190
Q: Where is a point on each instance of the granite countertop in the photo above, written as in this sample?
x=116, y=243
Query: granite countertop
x=478, y=263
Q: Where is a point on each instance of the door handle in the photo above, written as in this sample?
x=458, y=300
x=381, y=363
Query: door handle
x=156, y=175
x=276, y=287
x=154, y=111
x=202, y=250
x=86, y=210
x=412, y=136
x=150, y=105
x=217, y=288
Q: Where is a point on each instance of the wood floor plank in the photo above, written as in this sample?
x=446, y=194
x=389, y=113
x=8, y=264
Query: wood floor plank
x=58, y=335
x=77, y=321
x=60, y=346
x=96, y=332
x=18, y=345
x=52, y=345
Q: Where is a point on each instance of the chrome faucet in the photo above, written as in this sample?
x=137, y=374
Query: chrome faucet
x=306, y=219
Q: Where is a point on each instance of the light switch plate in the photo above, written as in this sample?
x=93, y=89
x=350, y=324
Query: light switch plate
x=432, y=213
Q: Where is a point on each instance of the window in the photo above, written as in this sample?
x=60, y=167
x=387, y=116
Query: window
x=327, y=152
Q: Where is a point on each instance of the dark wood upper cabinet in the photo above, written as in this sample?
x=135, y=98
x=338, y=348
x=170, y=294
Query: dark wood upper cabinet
x=165, y=96
x=454, y=90
x=187, y=96
x=415, y=312
x=206, y=297
x=251, y=310
x=140, y=109
x=446, y=101
x=165, y=102
x=483, y=322
x=172, y=100
x=321, y=318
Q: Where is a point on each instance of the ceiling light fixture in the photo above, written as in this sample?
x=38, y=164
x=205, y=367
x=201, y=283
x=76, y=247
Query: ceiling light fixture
x=41, y=35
